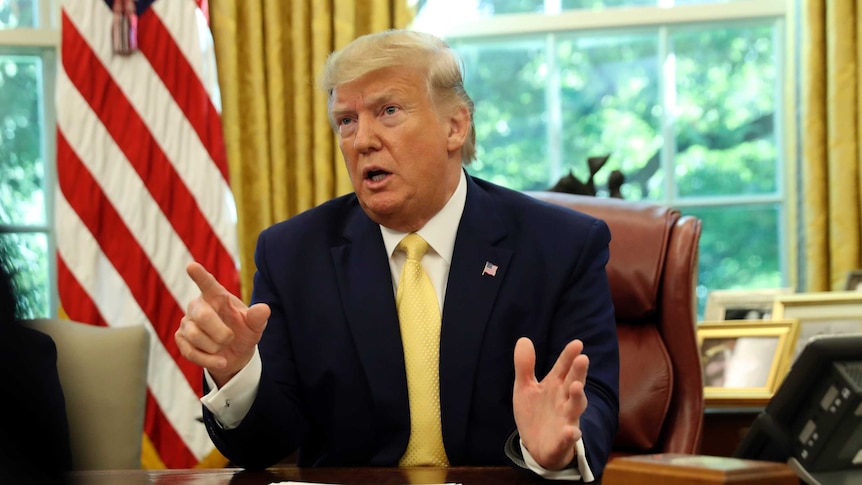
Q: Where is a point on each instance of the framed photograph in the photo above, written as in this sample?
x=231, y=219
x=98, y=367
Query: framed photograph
x=743, y=363
x=742, y=304
x=821, y=313
x=854, y=280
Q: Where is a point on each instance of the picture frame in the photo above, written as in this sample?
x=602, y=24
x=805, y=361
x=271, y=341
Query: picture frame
x=742, y=304
x=820, y=313
x=744, y=362
x=854, y=280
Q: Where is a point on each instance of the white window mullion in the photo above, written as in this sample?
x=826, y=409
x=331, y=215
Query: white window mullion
x=553, y=106
x=49, y=151
x=667, y=81
x=780, y=120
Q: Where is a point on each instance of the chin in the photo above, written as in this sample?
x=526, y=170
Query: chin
x=378, y=208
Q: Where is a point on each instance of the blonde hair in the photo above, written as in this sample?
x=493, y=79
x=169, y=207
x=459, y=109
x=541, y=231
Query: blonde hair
x=424, y=52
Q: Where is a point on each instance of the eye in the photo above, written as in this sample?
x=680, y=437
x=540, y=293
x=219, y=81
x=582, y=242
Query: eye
x=390, y=110
x=344, y=121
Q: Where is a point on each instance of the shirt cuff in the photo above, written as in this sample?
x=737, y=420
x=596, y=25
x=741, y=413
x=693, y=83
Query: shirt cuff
x=581, y=471
x=232, y=402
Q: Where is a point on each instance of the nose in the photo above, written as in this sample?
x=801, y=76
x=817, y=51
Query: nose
x=366, y=138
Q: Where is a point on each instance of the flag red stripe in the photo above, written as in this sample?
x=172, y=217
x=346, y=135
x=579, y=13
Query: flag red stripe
x=171, y=447
x=131, y=134
x=120, y=247
x=76, y=302
x=155, y=42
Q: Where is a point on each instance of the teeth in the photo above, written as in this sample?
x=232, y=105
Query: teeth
x=378, y=177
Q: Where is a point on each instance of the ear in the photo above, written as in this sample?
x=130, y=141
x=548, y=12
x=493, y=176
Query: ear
x=459, y=129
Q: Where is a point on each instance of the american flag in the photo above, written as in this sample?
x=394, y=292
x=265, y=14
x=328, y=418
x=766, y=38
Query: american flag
x=490, y=269
x=143, y=190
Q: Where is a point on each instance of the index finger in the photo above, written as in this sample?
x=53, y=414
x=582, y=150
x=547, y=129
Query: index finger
x=205, y=281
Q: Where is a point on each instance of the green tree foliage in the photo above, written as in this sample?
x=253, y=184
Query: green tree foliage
x=725, y=140
x=25, y=257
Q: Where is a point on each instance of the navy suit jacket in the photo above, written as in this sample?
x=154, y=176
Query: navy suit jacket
x=34, y=440
x=333, y=382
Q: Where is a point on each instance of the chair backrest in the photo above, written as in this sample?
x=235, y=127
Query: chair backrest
x=103, y=373
x=652, y=272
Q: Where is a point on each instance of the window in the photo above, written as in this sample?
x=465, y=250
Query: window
x=27, y=64
x=684, y=97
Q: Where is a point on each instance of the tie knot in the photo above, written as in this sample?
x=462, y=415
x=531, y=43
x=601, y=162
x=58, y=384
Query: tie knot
x=414, y=246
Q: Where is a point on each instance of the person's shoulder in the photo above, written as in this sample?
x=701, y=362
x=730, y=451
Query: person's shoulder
x=19, y=334
x=329, y=215
x=531, y=210
x=22, y=347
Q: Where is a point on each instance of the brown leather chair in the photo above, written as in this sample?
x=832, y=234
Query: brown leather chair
x=652, y=272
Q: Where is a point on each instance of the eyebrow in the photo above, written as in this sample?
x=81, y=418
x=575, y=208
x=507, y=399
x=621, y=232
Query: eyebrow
x=372, y=100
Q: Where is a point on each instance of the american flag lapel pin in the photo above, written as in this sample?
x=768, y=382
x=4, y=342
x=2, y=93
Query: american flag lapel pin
x=489, y=269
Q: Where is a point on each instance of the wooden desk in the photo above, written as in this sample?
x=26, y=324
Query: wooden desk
x=352, y=476
x=724, y=427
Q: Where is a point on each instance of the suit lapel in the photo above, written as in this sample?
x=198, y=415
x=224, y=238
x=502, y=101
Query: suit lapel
x=470, y=297
x=365, y=283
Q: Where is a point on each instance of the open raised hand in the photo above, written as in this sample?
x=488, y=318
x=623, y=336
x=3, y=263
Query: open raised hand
x=548, y=413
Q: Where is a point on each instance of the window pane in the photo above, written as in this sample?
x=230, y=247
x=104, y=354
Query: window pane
x=507, y=83
x=739, y=248
x=22, y=194
x=610, y=106
x=27, y=258
x=725, y=135
x=17, y=13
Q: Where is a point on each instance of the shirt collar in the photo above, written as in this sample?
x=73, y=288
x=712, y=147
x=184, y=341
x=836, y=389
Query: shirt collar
x=439, y=232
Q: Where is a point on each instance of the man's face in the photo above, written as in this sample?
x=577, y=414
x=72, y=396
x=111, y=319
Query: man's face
x=403, y=158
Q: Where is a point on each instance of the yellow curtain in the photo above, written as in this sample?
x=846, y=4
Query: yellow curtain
x=831, y=48
x=281, y=151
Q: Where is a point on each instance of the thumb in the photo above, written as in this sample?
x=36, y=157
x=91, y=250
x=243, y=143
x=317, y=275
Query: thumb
x=525, y=362
x=257, y=316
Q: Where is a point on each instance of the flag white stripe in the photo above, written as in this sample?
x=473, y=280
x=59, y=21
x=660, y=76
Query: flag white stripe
x=108, y=291
x=166, y=122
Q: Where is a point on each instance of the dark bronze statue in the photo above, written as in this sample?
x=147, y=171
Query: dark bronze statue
x=571, y=184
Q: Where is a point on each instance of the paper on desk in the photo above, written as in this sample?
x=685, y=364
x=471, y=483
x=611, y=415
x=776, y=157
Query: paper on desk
x=314, y=483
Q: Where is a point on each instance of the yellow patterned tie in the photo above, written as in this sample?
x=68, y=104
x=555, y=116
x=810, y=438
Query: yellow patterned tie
x=419, y=315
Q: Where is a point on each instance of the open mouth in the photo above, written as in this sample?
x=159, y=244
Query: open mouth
x=376, y=175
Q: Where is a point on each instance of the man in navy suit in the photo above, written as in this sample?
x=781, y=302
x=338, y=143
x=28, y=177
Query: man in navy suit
x=317, y=363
